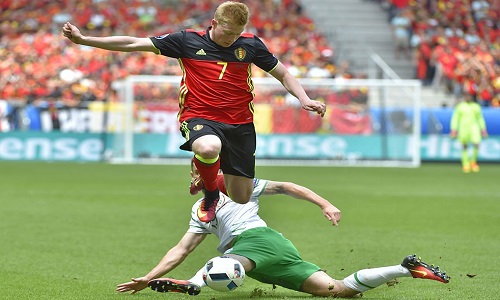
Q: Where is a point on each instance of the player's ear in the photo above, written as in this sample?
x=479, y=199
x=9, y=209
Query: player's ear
x=214, y=23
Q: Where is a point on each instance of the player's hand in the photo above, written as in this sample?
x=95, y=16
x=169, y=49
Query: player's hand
x=484, y=133
x=333, y=214
x=71, y=32
x=136, y=285
x=453, y=134
x=314, y=105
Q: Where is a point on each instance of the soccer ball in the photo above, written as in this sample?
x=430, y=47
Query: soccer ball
x=223, y=274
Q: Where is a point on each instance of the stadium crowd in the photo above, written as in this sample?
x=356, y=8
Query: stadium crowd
x=455, y=44
x=37, y=63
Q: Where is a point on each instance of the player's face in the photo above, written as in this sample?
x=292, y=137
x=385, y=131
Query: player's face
x=225, y=34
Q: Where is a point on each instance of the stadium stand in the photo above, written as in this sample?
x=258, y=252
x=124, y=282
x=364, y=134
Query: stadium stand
x=455, y=48
x=451, y=41
x=38, y=63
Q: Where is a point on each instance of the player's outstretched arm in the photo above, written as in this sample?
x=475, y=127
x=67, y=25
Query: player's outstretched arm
x=293, y=86
x=112, y=43
x=170, y=261
x=330, y=212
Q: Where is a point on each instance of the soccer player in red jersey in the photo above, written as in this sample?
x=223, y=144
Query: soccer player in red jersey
x=216, y=93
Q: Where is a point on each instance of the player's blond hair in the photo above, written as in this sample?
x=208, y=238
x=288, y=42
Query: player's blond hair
x=231, y=12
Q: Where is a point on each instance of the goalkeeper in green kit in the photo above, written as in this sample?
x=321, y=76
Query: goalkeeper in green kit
x=469, y=127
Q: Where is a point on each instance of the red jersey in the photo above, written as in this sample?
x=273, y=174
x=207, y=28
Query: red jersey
x=217, y=81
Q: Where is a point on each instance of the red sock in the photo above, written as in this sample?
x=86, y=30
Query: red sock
x=208, y=173
x=221, y=184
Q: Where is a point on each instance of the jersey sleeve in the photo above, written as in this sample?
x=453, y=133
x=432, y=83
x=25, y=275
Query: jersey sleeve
x=170, y=45
x=194, y=227
x=259, y=186
x=263, y=58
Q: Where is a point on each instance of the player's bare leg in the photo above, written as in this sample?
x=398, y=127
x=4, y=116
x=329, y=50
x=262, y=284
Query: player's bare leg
x=239, y=188
x=321, y=284
x=247, y=264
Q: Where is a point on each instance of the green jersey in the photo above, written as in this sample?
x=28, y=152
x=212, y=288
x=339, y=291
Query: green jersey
x=468, y=122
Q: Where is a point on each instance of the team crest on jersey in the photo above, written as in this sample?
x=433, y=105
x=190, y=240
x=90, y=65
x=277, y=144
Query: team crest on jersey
x=197, y=127
x=240, y=53
x=161, y=36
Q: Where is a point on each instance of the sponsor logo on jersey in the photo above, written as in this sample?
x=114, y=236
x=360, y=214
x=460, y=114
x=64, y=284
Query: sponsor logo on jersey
x=201, y=52
x=197, y=127
x=161, y=36
x=240, y=53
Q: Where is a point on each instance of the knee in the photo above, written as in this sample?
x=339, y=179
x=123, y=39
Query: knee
x=322, y=285
x=207, y=146
x=248, y=264
x=335, y=290
x=207, y=151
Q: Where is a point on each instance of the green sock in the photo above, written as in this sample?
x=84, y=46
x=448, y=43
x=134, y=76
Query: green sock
x=465, y=158
x=475, y=153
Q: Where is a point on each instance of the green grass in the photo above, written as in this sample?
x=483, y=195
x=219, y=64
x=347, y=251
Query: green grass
x=74, y=231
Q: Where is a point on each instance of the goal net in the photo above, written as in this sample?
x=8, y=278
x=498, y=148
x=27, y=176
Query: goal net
x=372, y=122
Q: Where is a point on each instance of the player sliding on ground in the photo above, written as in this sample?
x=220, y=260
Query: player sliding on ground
x=267, y=255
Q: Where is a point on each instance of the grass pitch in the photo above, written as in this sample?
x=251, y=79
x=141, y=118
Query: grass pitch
x=74, y=231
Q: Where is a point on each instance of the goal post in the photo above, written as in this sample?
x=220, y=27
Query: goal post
x=369, y=122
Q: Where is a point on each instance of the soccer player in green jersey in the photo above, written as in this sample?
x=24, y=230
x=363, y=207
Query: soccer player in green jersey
x=267, y=255
x=469, y=127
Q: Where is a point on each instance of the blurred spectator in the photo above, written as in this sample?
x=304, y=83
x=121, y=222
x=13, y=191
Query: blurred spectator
x=480, y=9
x=401, y=32
x=485, y=92
x=471, y=36
x=318, y=70
x=454, y=32
x=422, y=51
x=445, y=62
x=395, y=6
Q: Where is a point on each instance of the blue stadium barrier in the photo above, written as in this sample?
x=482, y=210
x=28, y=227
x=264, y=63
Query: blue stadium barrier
x=433, y=120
